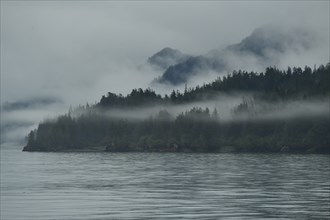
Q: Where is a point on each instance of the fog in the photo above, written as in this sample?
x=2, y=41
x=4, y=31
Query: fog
x=297, y=109
x=226, y=106
x=284, y=110
x=77, y=51
x=17, y=122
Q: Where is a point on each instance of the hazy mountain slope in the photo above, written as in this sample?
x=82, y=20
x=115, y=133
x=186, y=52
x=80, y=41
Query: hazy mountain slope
x=264, y=47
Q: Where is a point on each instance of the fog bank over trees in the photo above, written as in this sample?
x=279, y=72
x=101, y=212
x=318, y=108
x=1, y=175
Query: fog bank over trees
x=285, y=111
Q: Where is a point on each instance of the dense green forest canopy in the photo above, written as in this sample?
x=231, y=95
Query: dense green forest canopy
x=199, y=129
x=272, y=85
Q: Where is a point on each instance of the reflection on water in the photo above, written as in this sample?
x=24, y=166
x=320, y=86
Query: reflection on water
x=163, y=186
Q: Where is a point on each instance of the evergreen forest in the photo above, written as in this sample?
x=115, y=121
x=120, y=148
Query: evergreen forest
x=201, y=129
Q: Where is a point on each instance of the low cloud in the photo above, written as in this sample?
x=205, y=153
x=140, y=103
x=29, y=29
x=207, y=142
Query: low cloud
x=226, y=106
x=19, y=119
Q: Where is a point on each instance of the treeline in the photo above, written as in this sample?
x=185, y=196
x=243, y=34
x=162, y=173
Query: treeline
x=272, y=85
x=197, y=130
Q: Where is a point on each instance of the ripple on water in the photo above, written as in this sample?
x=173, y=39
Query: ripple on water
x=163, y=186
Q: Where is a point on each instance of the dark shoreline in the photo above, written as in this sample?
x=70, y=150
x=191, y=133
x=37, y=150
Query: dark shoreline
x=103, y=150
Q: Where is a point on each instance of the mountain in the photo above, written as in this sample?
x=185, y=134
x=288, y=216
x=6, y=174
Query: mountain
x=179, y=73
x=166, y=58
x=274, y=39
x=264, y=47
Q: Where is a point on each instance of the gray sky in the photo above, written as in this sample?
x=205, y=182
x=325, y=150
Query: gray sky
x=78, y=51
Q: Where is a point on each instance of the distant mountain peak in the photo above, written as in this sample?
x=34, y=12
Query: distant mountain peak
x=273, y=38
x=167, y=50
x=166, y=58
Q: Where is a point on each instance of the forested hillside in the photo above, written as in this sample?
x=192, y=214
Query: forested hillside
x=272, y=85
x=201, y=129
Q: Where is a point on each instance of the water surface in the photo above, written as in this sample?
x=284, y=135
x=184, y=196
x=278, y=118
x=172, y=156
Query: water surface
x=99, y=186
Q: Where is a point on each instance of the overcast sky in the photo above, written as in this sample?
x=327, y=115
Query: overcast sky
x=78, y=51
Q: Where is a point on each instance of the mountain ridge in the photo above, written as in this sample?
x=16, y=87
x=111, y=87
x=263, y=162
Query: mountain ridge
x=263, y=46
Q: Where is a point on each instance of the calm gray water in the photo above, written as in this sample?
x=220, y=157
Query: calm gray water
x=163, y=186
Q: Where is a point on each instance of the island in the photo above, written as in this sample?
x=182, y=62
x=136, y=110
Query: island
x=281, y=111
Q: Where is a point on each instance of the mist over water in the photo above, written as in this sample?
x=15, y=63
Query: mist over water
x=99, y=186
